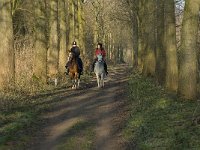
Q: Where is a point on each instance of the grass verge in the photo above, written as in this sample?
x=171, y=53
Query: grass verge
x=80, y=137
x=20, y=113
x=159, y=120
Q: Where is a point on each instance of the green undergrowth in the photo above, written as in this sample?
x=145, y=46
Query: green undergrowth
x=20, y=113
x=19, y=119
x=14, y=128
x=160, y=120
x=80, y=136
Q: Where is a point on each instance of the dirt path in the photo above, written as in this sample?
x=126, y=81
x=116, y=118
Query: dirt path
x=105, y=109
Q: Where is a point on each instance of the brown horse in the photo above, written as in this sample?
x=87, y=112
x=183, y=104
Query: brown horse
x=74, y=71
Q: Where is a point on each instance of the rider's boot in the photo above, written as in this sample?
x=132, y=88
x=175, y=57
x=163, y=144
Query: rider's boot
x=92, y=67
x=81, y=71
x=105, y=67
x=80, y=64
x=106, y=72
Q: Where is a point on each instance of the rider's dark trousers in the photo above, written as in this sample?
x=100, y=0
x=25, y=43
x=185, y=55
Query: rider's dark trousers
x=80, y=64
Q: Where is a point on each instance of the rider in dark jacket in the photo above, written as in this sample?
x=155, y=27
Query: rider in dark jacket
x=76, y=51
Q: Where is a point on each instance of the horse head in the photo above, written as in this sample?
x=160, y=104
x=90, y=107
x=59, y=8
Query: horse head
x=71, y=56
x=99, y=58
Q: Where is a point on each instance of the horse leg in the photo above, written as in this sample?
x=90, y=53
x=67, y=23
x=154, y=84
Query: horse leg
x=98, y=84
x=72, y=84
x=72, y=79
x=102, y=80
x=78, y=82
x=75, y=83
x=99, y=81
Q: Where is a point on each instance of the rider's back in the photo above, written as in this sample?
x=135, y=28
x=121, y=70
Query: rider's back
x=76, y=51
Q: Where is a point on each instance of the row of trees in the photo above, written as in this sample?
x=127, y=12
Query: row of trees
x=155, y=43
x=36, y=36
x=101, y=26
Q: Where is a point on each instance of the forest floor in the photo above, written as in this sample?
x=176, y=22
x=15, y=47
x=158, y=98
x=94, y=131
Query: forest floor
x=130, y=112
x=89, y=118
x=159, y=119
x=86, y=118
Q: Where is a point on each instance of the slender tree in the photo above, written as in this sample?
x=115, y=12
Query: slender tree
x=81, y=27
x=63, y=35
x=149, y=38
x=71, y=21
x=6, y=44
x=171, y=81
x=160, y=51
x=40, y=49
x=53, y=50
x=188, y=62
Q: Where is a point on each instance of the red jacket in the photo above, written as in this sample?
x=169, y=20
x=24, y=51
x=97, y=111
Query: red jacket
x=99, y=51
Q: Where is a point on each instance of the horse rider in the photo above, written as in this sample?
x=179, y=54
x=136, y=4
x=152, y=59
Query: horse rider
x=100, y=50
x=76, y=51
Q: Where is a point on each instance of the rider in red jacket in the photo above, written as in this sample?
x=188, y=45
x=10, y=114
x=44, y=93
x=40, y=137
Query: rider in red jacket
x=100, y=50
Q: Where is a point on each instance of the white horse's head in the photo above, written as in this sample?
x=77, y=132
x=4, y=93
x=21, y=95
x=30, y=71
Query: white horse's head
x=99, y=57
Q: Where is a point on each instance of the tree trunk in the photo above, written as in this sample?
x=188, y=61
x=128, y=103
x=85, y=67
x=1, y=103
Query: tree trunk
x=188, y=63
x=71, y=23
x=40, y=49
x=63, y=37
x=81, y=28
x=171, y=81
x=160, y=51
x=140, y=48
x=76, y=21
x=149, y=40
x=53, y=50
x=6, y=45
x=67, y=24
x=135, y=41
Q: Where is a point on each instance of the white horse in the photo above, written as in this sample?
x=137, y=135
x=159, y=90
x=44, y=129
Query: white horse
x=99, y=71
